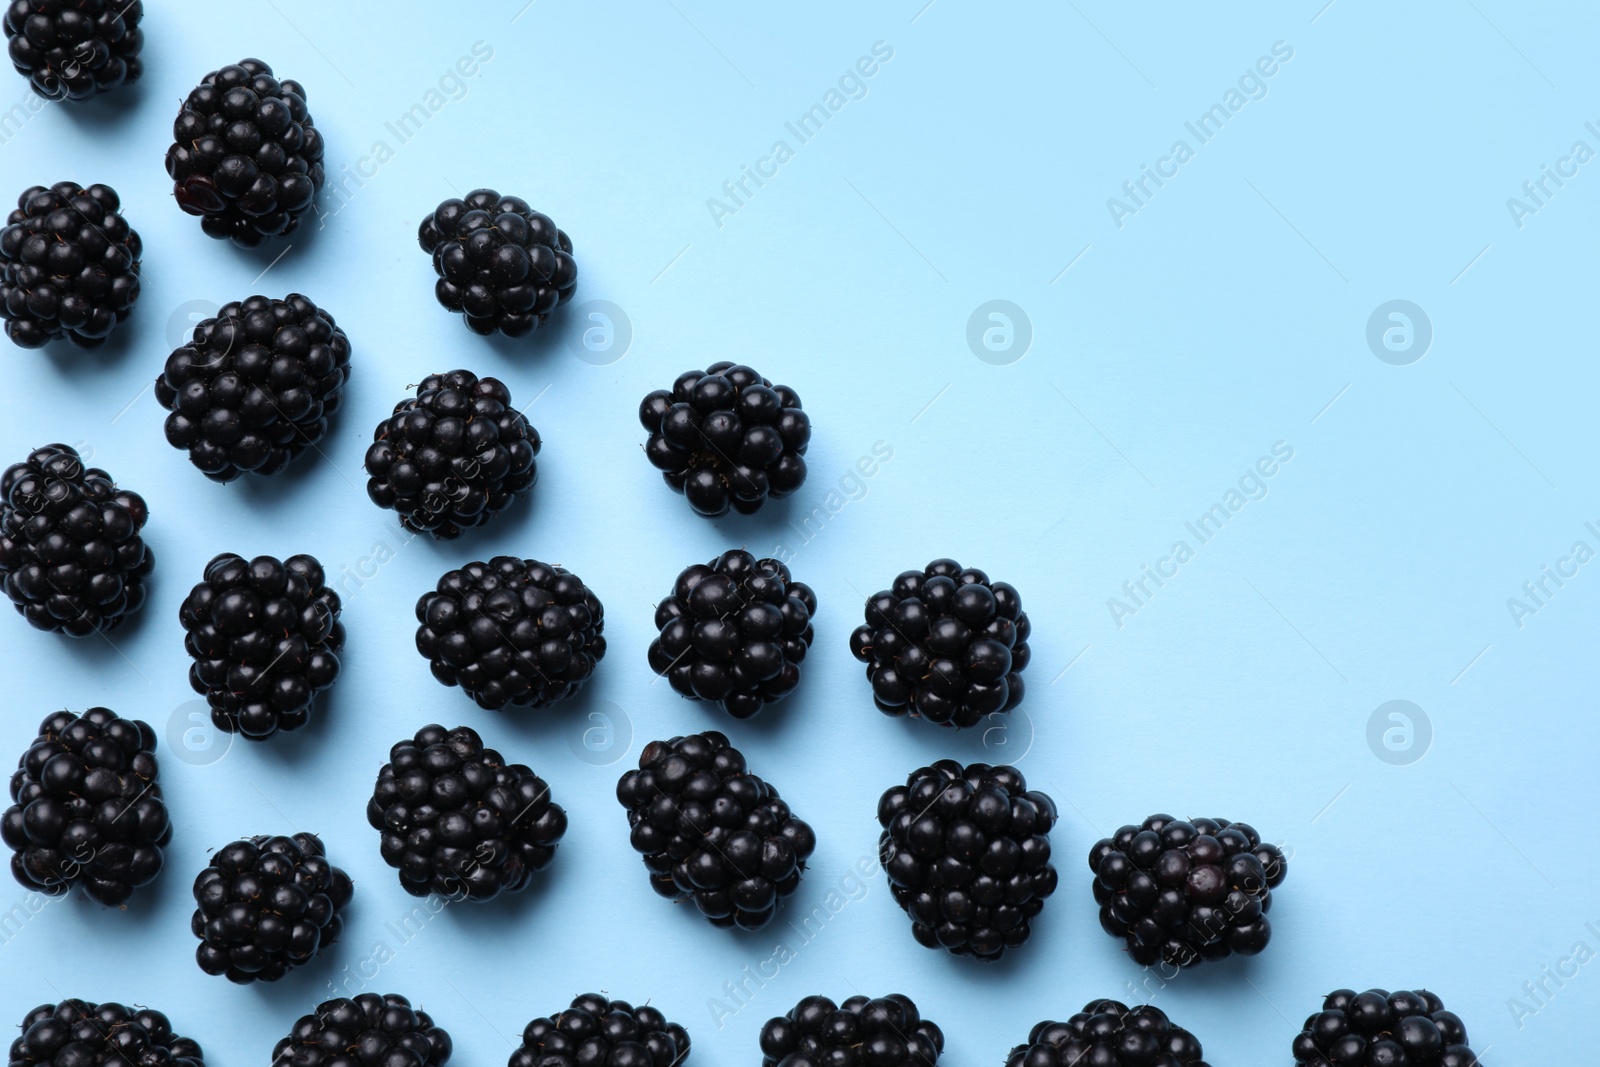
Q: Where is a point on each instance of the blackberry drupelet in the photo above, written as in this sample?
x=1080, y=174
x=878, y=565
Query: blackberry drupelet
x=1107, y=1033
x=967, y=852
x=367, y=1029
x=75, y=1033
x=944, y=644
x=267, y=905
x=86, y=808
x=1383, y=1029
x=713, y=832
x=246, y=156
x=861, y=1032
x=725, y=437
x=75, y=49
x=255, y=386
x=501, y=264
x=69, y=266
x=734, y=631
x=512, y=632
x=452, y=457
x=458, y=820
x=71, y=556
x=1184, y=892
x=265, y=637
x=595, y=1030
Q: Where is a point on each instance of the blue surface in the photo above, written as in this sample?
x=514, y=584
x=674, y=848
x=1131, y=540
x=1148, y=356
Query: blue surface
x=1226, y=317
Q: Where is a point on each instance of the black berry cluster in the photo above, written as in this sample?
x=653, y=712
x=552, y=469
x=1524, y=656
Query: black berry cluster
x=512, y=632
x=861, y=1032
x=501, y=264
x=86, y=807
x=75, y=1033
x=597, y=1032
x=458, y=820
x=1383, y=1029
x=267, y=905
x=71, y=557
x=255, y=386
x=1183, y=892
x=265, y=637
x=734, y=631
x=75, y=49
x=713, y=832
x=246, y=156
x=725, y=437
x=944, y=644
x=453, y=456
x=1110, y=1034
x=369, y=1030
x=69, y=265
x=967, y=851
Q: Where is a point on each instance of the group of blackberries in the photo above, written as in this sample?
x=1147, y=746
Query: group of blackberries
x=69, y=265
x=860, y=1032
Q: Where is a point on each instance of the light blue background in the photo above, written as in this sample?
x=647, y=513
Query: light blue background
x=1228, y=314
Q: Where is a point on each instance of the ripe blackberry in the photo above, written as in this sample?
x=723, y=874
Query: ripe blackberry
x=713, y=832
x=71, y=556
x=1383, y=1029
x=886, y=1032
x=1107, y=1033
x=734, y=631
x=267, y=905
x=1184, y=892
x=452, y=457
x=86, y=808
x=503, y=265
x=726, y=437
x=76, y=1033
x=246, y=156
x=75, y=50
x=596, y=1030
x=944, y=644
x=967, y=851
x=265, y=637
x=367, y=1029
x=512, y=632
x=255, y=386
x=69, y=265
x=458, y=820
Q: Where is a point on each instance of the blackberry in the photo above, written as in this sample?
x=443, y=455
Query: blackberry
x=246, y=156
x=265, y=637
x=726, y=437
x=861, y=1032
x=367, y=1029
x=1383, y=1029
x=458, y=820
x=69, y=265
x=267, y=905
x=1183, y=892
x=734, y=631
x=86, y=808
x=76, y=1033
x=713, y=832
x=1107, y=1033
x=944, y=644
x=501, y=264
x=452, y=457
x=255, y=386
x=71, y=556
x=512, y=632
x=75, y=49
x=967, y=851
x=595, y=1030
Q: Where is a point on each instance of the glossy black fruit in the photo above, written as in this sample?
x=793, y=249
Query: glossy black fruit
x=1383, y=1029
x=595, y=1031
x=75, y=49
x=76, y=1033
x=86, y=807
x=69, y=266
x=501, y=264
x=860, y=1032
x=1107, y=1033
x=367, y=1030
x=944, y=644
